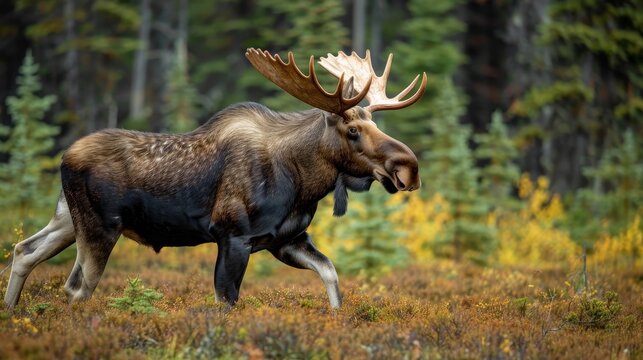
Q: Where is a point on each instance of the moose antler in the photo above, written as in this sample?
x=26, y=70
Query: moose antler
x=304, y=87
x=363, y=74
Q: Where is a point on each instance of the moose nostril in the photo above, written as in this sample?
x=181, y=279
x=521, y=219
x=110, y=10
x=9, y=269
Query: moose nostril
x=400, y=184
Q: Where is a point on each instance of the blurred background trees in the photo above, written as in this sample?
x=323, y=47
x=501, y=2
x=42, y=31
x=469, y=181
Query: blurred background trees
x=550, y=89
x=24, y=181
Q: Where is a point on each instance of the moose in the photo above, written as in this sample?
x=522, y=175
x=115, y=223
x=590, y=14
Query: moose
x=249, y=179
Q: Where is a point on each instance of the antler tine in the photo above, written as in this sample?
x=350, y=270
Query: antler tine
x=362, y=70
x=358, y=68
x=395, y=103
x=304, y=87
x=387, y=70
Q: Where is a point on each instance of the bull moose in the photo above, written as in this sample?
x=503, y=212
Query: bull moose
x=249, y=179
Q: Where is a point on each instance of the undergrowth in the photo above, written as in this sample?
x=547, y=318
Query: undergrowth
x=440, y=310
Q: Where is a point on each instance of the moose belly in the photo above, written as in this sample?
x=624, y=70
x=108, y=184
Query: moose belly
x=164, y=221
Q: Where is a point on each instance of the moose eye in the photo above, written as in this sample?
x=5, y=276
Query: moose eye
x=353, y=133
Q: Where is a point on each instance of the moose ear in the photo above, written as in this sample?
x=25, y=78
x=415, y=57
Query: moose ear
x=349, y=89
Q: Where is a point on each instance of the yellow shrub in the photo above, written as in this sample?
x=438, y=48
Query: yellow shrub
x=421, y=221
x=622, y=250
x=323, y=229
x=530, y=237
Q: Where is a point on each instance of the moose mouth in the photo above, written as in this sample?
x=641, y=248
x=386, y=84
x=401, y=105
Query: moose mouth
x=391, y=183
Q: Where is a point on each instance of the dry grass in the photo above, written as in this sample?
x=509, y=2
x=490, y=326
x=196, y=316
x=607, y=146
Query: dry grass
x=439, y=310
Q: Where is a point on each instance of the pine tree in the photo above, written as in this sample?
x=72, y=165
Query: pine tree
x=500, y=174
x=621, y=172
x=375, y=242
x=181, y=108
x=424, y=46
x=28, y=142
x=591, y=84
x=311, y=28
x=451, y=172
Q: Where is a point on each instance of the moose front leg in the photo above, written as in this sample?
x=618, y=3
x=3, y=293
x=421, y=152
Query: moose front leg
x=232, y=260
x=302, y=254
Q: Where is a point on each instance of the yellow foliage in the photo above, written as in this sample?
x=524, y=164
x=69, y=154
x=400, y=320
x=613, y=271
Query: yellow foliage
x=622, y=250
x=530, y=237
x=323, y=229
x=421, y=220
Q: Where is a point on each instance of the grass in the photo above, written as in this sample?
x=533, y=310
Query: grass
x=430, y=311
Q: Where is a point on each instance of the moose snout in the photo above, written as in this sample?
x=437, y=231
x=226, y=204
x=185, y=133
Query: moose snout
x=403, y=170
x=407, y=178
x=401, y=166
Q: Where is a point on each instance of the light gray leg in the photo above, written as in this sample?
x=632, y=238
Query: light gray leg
x=48, y=242
x=302, y=254
x=91, y=259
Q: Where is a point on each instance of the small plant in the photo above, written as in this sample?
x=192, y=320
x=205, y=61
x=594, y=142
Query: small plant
x=41, y=308
x=522, y=305
x=137, y=299
x=595, y=313
x=367, y=312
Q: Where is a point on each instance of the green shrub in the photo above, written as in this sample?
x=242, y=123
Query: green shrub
x=137, y=299
x=595, y=313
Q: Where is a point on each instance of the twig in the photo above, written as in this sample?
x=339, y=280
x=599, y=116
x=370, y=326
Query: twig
x=5, y=269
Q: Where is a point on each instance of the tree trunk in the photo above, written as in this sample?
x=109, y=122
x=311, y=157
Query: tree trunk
x=139, y=72
x=359, y=25
x=521, y=33
x=71, y=60
x=377, y=9
x=162, y=40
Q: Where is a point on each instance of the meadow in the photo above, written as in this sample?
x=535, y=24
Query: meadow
x=161, y=306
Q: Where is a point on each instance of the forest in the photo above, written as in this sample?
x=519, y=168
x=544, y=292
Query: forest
x=525, y=240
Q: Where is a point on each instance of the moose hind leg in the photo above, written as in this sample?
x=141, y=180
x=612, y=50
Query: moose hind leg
x=90, y=262
x=232, y=260
x=302, y=254
x=48, y=242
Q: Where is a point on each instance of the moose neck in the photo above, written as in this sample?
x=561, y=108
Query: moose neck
x=304, y=150
x=293, y=142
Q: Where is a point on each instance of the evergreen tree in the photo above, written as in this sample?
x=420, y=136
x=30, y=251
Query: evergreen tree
x=375, y=242
x=500, y=174
x=591, y=84
x=621, y=173
x=221, y=72
x=181, y=108
x=28, y=141
x=424, y=46
x=451, y=172
x=87, y=45
x=310, y=28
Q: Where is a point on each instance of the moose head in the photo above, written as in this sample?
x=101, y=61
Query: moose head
x=362, y=149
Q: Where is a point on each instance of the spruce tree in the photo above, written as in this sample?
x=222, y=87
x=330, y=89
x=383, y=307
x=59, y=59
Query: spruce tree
x=375, y=242
x=181, y=108
x=451, y=172
x=591, y=87
x=500, y=174
x=28, y=141
x=621, y=173
x=310, y=28
x=424, y=46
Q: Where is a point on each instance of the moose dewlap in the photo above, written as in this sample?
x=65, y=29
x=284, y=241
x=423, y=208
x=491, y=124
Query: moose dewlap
x=249, y=179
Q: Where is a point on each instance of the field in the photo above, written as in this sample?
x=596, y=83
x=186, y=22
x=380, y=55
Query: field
x=426, y=311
